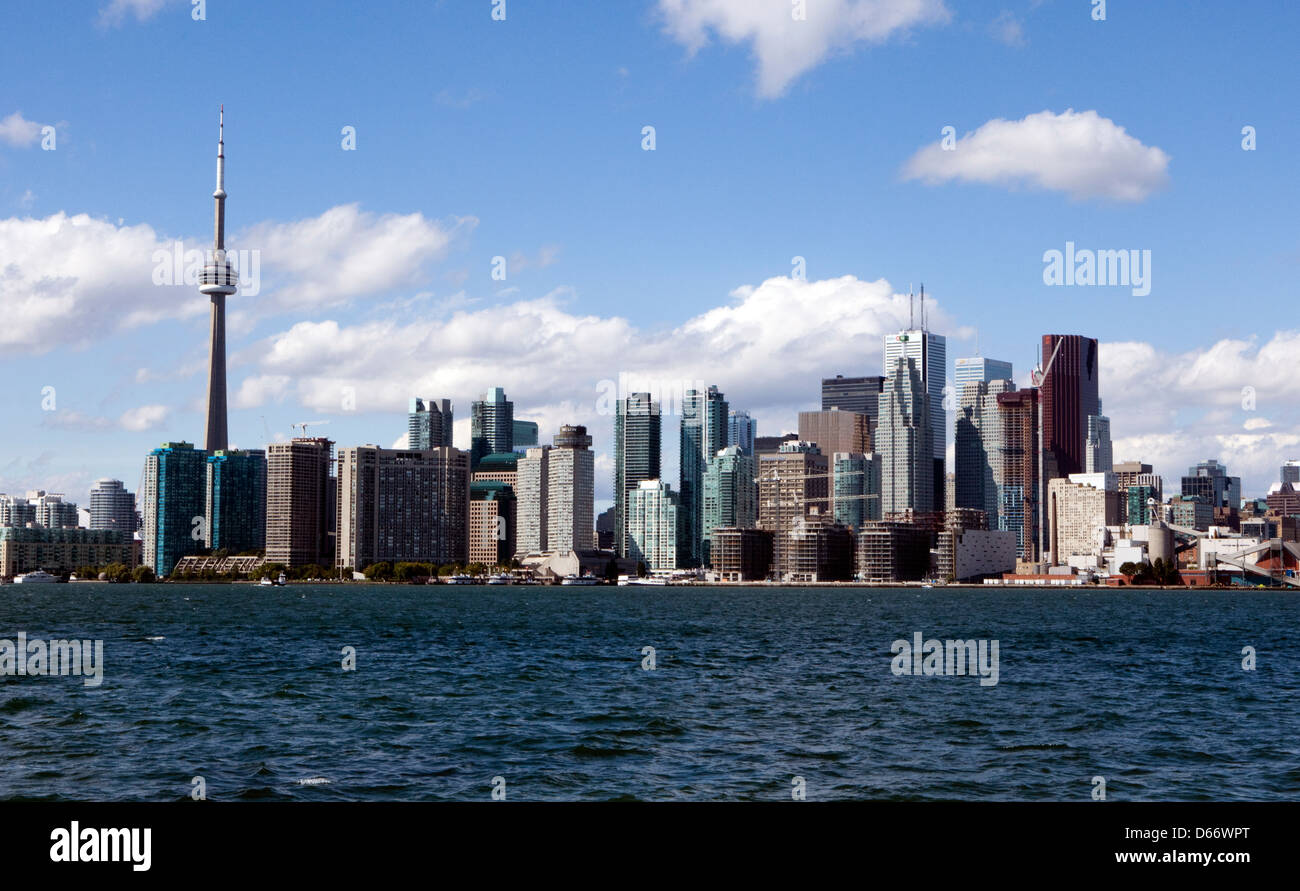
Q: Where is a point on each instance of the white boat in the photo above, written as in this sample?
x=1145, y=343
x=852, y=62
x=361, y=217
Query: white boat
x=625, y=581
x=501, y=579
x=39, y=577
x=269, y=583
x=462, y=580
x=581, y=580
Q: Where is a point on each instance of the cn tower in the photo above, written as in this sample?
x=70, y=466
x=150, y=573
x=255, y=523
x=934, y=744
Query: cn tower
x=218, y=281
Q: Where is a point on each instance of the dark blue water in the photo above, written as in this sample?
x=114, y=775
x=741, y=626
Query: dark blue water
x=544, y=687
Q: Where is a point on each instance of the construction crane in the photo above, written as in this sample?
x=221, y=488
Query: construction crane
x=303, y=425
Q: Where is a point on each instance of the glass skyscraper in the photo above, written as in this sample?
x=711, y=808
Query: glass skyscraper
x=741, y=431
x=429, y=424
x=730, y=494
x=704, y=433
x=174, y=497
x=492, y=426
x=929, y=352
x=637, y=444
x=235, y=506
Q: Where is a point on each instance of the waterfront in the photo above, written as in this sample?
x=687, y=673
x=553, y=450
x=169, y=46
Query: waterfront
x=544, y=687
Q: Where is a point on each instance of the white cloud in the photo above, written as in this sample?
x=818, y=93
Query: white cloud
x=1174, y=409
x=19, y=132
x=784, y=47
x=117, y=10
x=1079, y=153
x=1006, y=28
x=102, y=273
x=144, y=417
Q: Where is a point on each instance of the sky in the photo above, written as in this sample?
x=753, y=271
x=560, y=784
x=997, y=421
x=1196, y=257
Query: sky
x=499, y=215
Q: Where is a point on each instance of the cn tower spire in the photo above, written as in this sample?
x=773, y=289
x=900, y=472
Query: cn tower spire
x=218, y=281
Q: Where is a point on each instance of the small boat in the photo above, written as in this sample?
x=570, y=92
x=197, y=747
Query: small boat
x=39, y=577
x=277, y=583
x=462, y=580
x=501, y=579
x=581, y=580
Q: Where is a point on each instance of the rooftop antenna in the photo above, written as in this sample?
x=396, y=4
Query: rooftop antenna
x=911, y=308
x=923, y=306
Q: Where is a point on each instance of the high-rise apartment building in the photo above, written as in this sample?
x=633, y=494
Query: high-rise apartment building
x=429, y=423
x=730, y=494
x=793, y=483
x=492, y=425
x=905, y=442
x=532, y=501
x=492, y=523
x=235, y=501
x=1210, y=480
x=653, y=523
x=637, y=444
x=112, y=507
x=397, y=505
x=300, y=502
x=52, y=511
x=703, y=434
x=742, y=430
x=570, y=491
x=855, y=488
x=173, y=501
x=1017, y=484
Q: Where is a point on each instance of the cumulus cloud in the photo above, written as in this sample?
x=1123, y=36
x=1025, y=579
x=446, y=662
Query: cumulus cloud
x=75, y=266
x=1006, y=28
x=784, y=46
x=1173, y=409
x=1080, y=153
x=19, y=132
x=144, y=417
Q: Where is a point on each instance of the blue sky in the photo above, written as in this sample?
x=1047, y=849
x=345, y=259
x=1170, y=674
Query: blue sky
x=523, y=139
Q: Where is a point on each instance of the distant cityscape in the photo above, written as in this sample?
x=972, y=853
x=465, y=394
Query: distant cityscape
x=860, y=493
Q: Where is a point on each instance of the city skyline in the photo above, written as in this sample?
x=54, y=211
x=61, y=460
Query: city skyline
x=585, y=303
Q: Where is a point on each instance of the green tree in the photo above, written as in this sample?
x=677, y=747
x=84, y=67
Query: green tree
x=143, y=575
x=379, y=571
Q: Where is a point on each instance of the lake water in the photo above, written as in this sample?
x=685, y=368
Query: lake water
x=545, y=689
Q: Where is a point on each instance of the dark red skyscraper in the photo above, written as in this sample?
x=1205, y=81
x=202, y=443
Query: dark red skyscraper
x=1069, y=396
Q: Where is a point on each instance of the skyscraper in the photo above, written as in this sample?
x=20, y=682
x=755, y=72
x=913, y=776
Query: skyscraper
x=492, y=425
x=1209, y=479
x=1098, y=456
x=654, y=535
x=904, y=441
x=532, y=505
x=1069, y=396
x=978, y=368
x=730, y=494
x=976, y=433
x=929, y=351
x=703, y=434
x=792, y=484
x=741, y=431
x=525, y=435
x=860, y=394
x=174, y=505
x=235, y=500
x=218, y=280
x=300, y=500
x=637, y=444
x=112, y=507
x=854, y=479
x=398, y=505
x=835, y=430
x=1016, y=450
x=570, y=491
x=429, y=424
